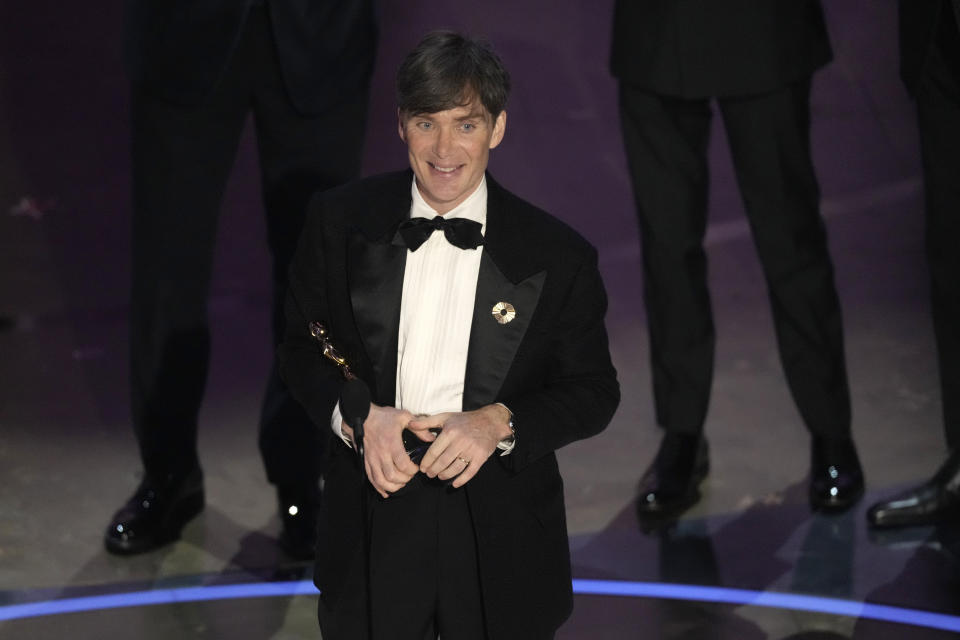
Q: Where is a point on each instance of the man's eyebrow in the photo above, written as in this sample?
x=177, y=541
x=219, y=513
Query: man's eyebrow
x=478, y=114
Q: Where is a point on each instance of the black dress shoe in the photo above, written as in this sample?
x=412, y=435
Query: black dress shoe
x=672, y=482
x=936, y=501
x=836, y=479
x=298, y=515
x=156, y=513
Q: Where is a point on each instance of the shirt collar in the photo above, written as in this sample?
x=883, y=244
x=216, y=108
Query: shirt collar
x=473, y=208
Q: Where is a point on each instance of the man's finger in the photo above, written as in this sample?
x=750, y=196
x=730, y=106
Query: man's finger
x=435, y=450
x=393, y=475
x=441, y=467
x=459, y=465
x=403, y=463
x=421, y=423
x=400, y=468
x=427, y=434
x=466, y=475
x=371, y=476
x=385, y=475
x=384, y=461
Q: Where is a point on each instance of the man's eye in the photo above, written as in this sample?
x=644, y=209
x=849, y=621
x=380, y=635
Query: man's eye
x=425, y=125
x=468, y=126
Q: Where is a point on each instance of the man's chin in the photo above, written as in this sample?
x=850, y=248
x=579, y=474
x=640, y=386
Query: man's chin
x=443, y=200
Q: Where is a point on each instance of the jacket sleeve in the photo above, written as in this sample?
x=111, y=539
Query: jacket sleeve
x=312, y=379
x=579, y=391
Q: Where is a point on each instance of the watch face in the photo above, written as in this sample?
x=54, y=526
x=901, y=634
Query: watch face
x=506, y=445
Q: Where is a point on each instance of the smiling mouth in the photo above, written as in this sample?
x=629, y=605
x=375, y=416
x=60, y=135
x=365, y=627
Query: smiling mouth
x=444, y=169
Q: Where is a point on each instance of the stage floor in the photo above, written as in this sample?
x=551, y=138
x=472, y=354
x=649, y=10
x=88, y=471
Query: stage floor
x=748, y=562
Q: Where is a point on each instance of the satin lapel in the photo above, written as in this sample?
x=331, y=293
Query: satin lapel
x=493, y=344
x=375, y=275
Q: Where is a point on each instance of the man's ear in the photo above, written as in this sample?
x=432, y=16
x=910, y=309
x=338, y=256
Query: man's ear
x=499, y=129
x=400, y=127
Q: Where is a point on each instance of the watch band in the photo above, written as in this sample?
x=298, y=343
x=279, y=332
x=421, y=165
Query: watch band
x=507, y=444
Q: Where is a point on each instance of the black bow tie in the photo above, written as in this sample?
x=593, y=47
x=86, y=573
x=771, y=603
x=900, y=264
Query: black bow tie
x=460, y=232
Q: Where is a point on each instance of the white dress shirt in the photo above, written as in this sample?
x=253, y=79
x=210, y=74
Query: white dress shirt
x=436, y=314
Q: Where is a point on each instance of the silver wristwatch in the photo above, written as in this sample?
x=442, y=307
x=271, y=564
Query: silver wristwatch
x=507, y=444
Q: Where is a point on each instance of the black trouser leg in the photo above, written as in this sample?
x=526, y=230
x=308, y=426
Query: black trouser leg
x=423, y=571
x=181, y=158
x=769, y=140
x=424, y=578
x=938, y=116
x=666, y=143
x=299, y=155
x=459, y=600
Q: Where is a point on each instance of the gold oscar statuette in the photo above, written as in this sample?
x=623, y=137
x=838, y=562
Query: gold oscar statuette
x=322, y=336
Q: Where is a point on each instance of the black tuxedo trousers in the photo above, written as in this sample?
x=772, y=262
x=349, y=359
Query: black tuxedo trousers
x=424, y=540
x=182, y=157
x=666, y=142
x=938, y=117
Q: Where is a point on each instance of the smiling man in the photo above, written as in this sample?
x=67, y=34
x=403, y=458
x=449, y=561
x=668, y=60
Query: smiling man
x=449, y=151
x=476, y=320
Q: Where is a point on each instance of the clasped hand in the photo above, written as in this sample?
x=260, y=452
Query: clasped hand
x=466, y=440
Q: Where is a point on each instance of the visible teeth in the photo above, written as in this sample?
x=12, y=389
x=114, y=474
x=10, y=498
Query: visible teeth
x=445, y=169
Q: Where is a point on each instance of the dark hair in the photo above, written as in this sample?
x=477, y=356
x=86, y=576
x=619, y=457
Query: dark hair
x=448, y=70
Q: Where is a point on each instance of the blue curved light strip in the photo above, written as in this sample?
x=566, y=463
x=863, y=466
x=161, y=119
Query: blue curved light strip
x=772, y=599
x=584, y=587
x=158, y=596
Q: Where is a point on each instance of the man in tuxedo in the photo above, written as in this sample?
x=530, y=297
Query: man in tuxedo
x=755, y=59
x=199, y=68
x=470, y=314
x=930, y=67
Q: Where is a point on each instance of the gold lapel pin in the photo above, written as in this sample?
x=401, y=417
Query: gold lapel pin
x=503, y=312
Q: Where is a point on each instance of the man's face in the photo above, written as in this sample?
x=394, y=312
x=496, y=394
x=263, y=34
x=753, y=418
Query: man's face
x=449, y=151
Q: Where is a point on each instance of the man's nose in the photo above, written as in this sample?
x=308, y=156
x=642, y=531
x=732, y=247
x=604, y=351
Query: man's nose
x=443, y=142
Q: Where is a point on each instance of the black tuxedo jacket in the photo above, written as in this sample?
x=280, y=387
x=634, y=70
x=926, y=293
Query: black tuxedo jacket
x=550, y=365
x=706, y=48
x=178, y=49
